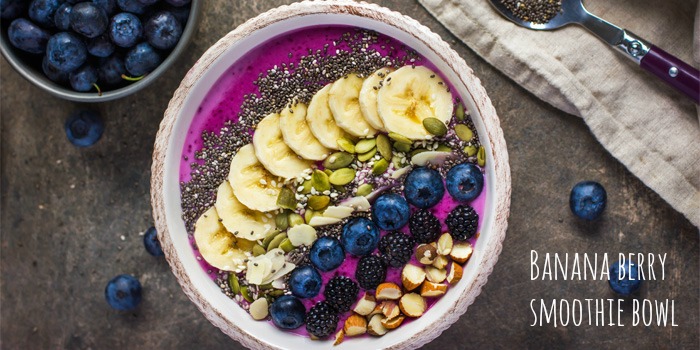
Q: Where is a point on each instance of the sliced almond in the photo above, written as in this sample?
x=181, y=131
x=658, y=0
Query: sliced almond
x=355, y=325
x=258, y=309
x=412, y=276
x=430, y=289
x=365, y=305
x=441, y=262
x=393, y=323
x=412, y=305
x=390, y=309
x=444, y=244
x=377, y=311
x=434, y=274
x=426, y=253
x=388, y=291
x=302, y=235
x=461, y=252
x=339, y=337
x=455, y=274
x=375, y=326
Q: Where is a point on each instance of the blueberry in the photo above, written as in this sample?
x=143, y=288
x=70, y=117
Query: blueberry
x=133, y=6
x=587, y=200
x=61, y=18
x=360, y=236
x=88, y=19
x=142, y=59
x=66, y=51
x=148, y=2
x=390, y=212
x=151, y=242
x=163, y=30
x=11, y=9
x=84, y=128
x=110, y=71
x=108, y=6
x=27, y=36
x=123, y=292
x=465, y=182
x=181, y=13
x=125, y=29
x=100, y=46
x=178, y=3
x=326, y=253
x=287, y=312
x=423, y=187
x=83, y=79
x=305, y=281
x=52, y=73
x=42, y=12
x=630, y=281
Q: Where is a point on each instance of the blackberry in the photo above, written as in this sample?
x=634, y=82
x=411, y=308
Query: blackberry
x=341, y=293
x=462, y=222
x=425, y=227
x=321, y=320
x=396, y=248
x=371, y=271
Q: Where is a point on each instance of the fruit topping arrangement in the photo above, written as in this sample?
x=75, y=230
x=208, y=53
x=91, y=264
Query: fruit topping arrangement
x=348, y=211
x=95, y=45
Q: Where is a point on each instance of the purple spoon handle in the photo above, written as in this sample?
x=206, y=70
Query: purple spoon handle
x=673, y=71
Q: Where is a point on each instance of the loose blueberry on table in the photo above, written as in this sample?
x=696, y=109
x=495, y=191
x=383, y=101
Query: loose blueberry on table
x=78, y=38
x=123, y=292
x=329, y=218
x=629, y=283
x=588, y=200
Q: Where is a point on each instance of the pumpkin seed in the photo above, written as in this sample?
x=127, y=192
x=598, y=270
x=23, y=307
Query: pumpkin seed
x=481, y=156
x=399, y=138
x=338, y=160
x=463, y=132
x=233, y=283
x=398, y=164
x=435, y=126
x=384, y=146
x=295, y=219
x=417, y=151
x=319, y=181
x=275, y=242
x=245, y=294
x=379, y=167
x=402, y=147
x=307, y=187
x=470, y=150
x=287, y=246
x=286, y=199
x=309, y=214
x=319, y=202
x=258, y=250
x=328, y=171
x=276, y=293
x=265, y=286
x=459, y=113
x=366, y=156
x=346, y=145
x=342, y=176
x=364, y=189
x=365, y=145
x=444, y=148
x=340, y=189
x=266, y=241
x=282, y=221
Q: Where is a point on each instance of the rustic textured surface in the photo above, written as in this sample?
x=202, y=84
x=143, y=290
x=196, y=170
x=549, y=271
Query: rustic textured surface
x=65, y=210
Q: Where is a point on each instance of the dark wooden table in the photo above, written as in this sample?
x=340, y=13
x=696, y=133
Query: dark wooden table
x=71, y=220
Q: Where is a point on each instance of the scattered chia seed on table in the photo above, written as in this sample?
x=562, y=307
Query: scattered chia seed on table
x=535, y=11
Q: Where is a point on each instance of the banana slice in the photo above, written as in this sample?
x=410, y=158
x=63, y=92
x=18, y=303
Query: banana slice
x=410, y=95
x=237, y=218
x=252, y=184
x=320, y=120
x=343, y=100
x=298, y=136
x=368, y=97
x=273, y=152
x=217, y=246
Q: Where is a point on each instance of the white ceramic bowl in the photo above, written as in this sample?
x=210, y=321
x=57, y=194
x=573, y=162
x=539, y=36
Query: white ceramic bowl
x=165, y=191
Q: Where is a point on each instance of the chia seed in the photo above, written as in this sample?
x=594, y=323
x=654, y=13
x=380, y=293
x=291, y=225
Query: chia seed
x=535, y=11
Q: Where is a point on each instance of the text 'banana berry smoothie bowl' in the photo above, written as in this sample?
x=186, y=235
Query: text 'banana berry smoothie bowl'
x=333, y=186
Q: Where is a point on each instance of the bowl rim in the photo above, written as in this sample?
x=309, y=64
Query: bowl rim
x=37, y=77
x=496, y=145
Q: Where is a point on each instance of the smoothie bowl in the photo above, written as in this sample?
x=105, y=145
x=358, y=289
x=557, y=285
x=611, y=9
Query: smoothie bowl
x=331, y=173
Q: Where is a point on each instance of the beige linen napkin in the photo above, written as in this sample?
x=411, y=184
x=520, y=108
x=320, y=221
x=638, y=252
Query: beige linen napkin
x=652, y=129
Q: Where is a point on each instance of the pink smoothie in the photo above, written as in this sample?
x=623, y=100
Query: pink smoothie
x=223, y=103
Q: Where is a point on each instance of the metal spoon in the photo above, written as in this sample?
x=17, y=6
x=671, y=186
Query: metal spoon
x=669, y=68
